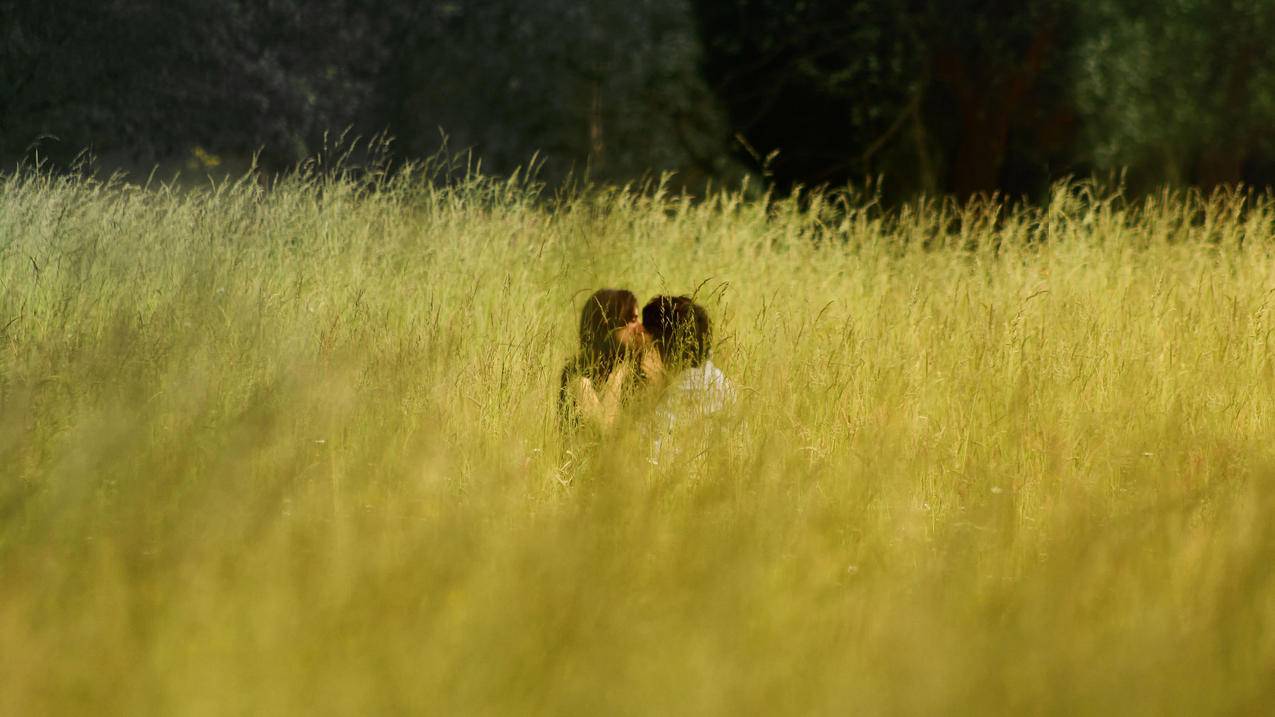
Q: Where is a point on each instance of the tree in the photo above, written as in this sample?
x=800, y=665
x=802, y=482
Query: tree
x=963, y=96
x=1182, y=91
x=157, y=76
x=814, y=90
x=1001, y=97
x=610, y=86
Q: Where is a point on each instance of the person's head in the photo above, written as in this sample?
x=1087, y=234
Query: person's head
x=609, y=326
x=680, y=329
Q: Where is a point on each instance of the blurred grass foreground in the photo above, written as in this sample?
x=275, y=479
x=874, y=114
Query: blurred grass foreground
x=294, y=451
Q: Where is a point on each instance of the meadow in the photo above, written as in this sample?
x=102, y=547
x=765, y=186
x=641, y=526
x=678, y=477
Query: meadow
x=293, y=450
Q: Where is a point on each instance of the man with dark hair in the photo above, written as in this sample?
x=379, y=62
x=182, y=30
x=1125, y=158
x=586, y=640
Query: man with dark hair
x=681, y=330
x=683, y=336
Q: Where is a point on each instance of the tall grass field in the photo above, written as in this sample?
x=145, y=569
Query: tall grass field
x=295, y=450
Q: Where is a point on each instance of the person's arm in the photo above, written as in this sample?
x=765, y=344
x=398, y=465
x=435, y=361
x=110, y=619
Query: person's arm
x=612, y=392
x=586, y=400
x=653, y=368
x=599, y=406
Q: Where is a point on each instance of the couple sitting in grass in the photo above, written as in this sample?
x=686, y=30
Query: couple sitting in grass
x=659, y=358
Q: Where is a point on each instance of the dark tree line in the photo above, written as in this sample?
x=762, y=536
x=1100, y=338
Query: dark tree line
x=959, y=96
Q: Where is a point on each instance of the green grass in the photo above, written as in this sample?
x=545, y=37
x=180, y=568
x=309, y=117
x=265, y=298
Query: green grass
x=293, y=451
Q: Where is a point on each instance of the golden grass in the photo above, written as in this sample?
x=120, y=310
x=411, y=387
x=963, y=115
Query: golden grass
x=293, y=451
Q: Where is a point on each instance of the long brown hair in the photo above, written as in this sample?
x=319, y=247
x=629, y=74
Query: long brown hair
x=600, y=350
x=604, y=312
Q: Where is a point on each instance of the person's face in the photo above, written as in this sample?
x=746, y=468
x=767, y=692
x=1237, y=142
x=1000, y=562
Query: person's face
x=631, y=335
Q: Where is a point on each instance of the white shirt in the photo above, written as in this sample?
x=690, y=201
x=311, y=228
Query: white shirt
x=694, y=393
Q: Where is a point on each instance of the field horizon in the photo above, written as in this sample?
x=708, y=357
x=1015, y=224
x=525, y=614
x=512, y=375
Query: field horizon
x=295, y=449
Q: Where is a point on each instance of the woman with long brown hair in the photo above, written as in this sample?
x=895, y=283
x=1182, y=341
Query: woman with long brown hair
x=607, y=366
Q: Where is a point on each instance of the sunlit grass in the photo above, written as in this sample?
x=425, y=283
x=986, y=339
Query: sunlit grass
x=294, y=451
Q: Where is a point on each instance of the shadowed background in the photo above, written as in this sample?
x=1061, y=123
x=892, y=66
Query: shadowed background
x=936, y=97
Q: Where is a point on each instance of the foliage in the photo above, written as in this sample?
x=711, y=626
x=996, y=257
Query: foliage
x=611, y=87
x=1181, y=90
x=963, y=97
x=604, y=86
x=966, y=96
x=293, y=450
x=154, y=78
x=810, y=86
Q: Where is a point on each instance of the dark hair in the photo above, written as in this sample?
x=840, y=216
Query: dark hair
x=600, y=351
x=681, y=329
x=604, y=312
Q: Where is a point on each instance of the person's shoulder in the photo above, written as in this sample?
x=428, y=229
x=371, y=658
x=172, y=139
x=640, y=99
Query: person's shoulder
x=714, y=375
x=708, y=387
x=724, y=387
